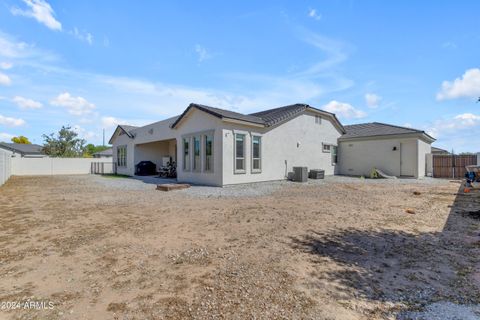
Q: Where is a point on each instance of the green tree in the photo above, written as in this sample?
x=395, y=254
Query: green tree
x=21, y=140
x=64, y=144
x=90, y=149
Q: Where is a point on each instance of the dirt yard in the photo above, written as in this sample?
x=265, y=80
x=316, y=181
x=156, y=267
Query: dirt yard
x=345, y=249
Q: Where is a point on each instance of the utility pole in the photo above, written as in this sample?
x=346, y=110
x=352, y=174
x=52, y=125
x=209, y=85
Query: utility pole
x=104, y=137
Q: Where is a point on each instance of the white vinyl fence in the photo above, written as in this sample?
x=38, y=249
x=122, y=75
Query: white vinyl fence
x=60, y=166
x=5, y=165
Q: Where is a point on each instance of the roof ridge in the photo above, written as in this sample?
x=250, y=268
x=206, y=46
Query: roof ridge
x=278, y=108
x=205, y=106
x=358, y=124
x=396, y=126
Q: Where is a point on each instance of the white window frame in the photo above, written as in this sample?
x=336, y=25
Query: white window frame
x=252, y=161
x=334, y=154
x=197, y=167
x=318, y=119
x=204, y=153
x=326, y=150
x=186, y=159
x=122, y=156
x=235, y=158
x=201, y=136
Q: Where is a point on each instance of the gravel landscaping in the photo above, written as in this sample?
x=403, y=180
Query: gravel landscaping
x=247, y=190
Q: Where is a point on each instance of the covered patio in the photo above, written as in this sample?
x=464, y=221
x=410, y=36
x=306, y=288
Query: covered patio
x=158, y=152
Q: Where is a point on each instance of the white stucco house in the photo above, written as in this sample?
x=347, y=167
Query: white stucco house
x=219, y=147
x=398, y=151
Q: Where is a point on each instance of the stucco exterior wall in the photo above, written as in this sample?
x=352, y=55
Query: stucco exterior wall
x=5, y=165
x=297, y=142
x=53, y=166
x=124, y=140
x=359, y=157
x=424, y=149
x=199, y=123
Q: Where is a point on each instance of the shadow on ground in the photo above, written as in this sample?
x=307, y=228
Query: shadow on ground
x=391, y=266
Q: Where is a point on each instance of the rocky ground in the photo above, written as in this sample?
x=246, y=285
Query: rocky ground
x=114, y=248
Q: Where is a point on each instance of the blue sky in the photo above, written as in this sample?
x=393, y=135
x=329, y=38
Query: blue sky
x=94, y=64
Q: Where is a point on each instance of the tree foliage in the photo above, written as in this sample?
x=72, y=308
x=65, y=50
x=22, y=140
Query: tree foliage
x=64, y=144
x=21, y=140
x=90, y=149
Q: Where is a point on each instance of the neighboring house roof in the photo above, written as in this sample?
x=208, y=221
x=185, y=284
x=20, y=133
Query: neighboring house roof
x=106, y=152
x=23, y=149
x=265, y=118
x=375, y=129
x=438, y=150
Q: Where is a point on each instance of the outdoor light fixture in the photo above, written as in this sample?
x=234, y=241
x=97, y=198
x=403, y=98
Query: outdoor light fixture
x=394, y=148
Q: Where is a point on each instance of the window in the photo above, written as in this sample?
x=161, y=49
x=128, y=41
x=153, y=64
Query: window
x=256, y=154
x=318, y=119
x=208, y=160
x=239, y=153
x=122, y=156
x=334, y=155
x=196, y=153
x=186, y=154
x=326, y=147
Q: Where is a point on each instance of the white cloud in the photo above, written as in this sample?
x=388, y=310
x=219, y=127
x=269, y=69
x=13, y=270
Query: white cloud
x=112, y=122
x=10, y=48
x=82, y=36
x=468, y=86
x=21, y=53
x=5, y=65
x=468, y=119
x=41, y=11
x=343, y=110
x=25, y=103
x=458, y=132
x=6, y=137
x=449, y=45
x=5, y=80
x=202, y=53
x=11, y=122
x=84, y=133
x=76, y=106
x=312, y=13
x=335, y=52
x=460, y=123
x=372, y=100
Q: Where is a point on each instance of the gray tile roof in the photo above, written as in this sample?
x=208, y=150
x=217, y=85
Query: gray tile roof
x=274, y=116
x=373, y=129
x=22, y=148
x=220, y=113
x=266, y=118
x=439, y=150
x=127, y=128
x=106, y=152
